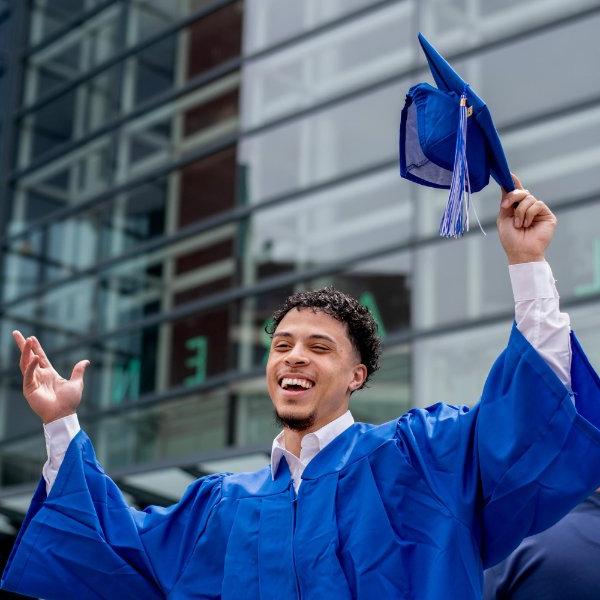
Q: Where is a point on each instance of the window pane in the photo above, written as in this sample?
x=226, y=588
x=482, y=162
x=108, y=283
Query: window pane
x=457, y=280
x=177, y=429
x=460, y=362
x=270, y=21
x=367, y=49
x=348, y=220
x=322, y=146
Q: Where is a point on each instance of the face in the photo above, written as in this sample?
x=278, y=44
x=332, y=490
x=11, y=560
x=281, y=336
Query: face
x=312, y=369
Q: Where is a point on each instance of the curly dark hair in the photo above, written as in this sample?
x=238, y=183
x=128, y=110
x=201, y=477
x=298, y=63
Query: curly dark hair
x=362, y=329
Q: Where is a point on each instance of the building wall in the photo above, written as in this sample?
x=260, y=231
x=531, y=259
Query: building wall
x=182, y=166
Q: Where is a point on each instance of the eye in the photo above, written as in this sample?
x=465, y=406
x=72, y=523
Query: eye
x=281, y=346
x=320, y=348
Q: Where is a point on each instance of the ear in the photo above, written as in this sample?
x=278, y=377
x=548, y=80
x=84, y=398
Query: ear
x=359, y=375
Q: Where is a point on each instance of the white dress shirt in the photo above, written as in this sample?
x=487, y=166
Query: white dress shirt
x=311, y=444
x=537, y=316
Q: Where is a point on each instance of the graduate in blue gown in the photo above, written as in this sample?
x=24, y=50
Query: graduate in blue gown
x=414, y=508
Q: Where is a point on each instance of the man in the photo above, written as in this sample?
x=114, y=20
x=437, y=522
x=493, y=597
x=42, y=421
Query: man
x=561, y=562
x=414, y=508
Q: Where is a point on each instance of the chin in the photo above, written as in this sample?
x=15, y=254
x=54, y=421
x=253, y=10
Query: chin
x=296, y=420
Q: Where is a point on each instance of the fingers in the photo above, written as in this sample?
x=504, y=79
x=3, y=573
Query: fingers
x=19, y=339
x=29, y=347
x=520, y=211
x=529, y=210
x=26, y=355
x=508, y=197
x=28, y=375
x=513, y=197
x=537, y=211
x=79, y=370
x=38, y=350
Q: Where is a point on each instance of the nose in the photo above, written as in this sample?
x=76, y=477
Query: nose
x=296, y=357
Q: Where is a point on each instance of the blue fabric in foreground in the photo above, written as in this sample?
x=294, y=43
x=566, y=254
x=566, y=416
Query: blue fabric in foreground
x=557, y=564
x=413, y=508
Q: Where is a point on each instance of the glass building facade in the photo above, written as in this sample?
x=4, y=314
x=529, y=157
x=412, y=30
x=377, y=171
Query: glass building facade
x=173, y=169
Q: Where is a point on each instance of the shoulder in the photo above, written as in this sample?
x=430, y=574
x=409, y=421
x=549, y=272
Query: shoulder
x=436, y=415
x=254, y=483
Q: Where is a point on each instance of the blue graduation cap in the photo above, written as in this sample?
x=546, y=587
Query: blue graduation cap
x=448, y=140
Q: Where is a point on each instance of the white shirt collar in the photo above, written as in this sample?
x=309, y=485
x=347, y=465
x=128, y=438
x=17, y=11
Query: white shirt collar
x=312, y=443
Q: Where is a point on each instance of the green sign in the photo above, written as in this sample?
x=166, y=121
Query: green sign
x=126, y=381
x=367, y=299
x=594, y=286
x=197, y=362
x=265, y=339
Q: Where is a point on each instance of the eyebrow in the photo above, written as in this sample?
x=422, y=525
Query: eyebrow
x=314, y=336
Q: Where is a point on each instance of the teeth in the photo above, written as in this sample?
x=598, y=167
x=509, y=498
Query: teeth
x=287, y=381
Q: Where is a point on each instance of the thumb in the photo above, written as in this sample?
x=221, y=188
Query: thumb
x=517, y=182
x=79, y=370
x=28, y=382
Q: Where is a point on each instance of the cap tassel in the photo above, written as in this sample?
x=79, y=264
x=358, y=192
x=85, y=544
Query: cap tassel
x=456, y=216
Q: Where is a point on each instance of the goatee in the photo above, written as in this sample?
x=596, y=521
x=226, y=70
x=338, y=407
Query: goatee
x=295, y=423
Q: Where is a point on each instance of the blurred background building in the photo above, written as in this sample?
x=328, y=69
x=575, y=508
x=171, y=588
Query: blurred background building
x=173, y=169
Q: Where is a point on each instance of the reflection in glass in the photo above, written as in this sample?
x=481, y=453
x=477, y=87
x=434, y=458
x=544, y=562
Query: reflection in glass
x=382, y=285
x=349, y=56
x=22, y=462
x=177, y=429
x=347, y=220
x=389, y=394
x=457, y=280
x=268, y=22
x=452, y=368
x=322, y=146
x=49, y=16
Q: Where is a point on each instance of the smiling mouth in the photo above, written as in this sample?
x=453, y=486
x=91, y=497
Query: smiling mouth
x=295, y=384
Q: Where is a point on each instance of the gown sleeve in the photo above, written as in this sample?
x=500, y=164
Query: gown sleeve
x=83, y=541
x=521, y=458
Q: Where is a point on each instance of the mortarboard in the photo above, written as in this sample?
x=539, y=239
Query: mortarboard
x=448, y=140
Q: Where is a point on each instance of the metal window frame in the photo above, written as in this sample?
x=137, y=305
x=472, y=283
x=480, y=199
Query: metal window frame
x=292, y=278
x=202, y=79
x=122, y=56
x=394, y=338
x=279, y=121
x=237, y=214
x=59, y=33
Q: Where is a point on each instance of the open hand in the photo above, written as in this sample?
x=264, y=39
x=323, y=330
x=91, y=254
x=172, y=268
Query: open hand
x=525, y=225
x=49, y=395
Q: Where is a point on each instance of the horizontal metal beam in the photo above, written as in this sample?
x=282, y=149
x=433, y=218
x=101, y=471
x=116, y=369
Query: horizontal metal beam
x=219, y=220
x=143, y=497
x=234, y=64
x=272, y=283
x=122, y=56
x=77, y=21
x=394, y=338
x=221, y=70
x=234, y=376
x=186, y=463
x=240, y=212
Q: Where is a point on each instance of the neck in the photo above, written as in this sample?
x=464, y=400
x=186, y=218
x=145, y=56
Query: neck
x=293, y=438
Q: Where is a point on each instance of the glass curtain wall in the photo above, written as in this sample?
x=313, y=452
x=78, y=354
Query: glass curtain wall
x=184, y=166
x=126, y=155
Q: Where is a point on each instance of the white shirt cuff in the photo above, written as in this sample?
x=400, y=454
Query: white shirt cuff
x=532, y=281
x=59, y=433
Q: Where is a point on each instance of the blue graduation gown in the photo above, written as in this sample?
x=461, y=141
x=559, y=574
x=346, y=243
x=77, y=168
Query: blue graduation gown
x=413, y=508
